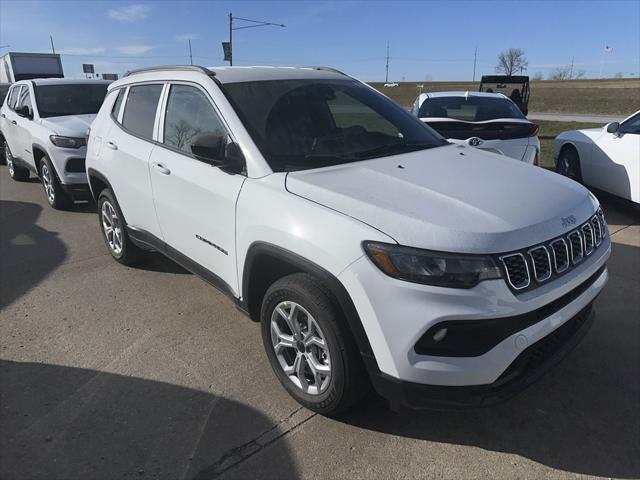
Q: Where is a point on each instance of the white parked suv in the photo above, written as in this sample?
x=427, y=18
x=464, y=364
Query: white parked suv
x=371, y=250
x=488, y=121
x=43, y=130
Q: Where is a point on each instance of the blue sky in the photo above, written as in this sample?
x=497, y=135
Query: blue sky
x=429, y=39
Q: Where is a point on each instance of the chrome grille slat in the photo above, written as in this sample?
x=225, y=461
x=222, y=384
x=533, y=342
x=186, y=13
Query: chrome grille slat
x=587, y=236
x=526, y=268
x=541, y=262
x=517, y=270
x=576, y=246
x=560, y=255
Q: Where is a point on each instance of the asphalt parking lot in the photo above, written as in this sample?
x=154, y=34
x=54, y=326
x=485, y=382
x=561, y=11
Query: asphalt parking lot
x=110, y=372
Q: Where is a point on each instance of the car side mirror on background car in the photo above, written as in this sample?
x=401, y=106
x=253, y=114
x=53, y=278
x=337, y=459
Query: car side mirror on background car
x=613, y=127
x=215, y=150
x=24, y=111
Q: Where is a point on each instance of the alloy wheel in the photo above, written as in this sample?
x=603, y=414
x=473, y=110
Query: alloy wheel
x=300, y=347
x=112, y=227
x=47, y=183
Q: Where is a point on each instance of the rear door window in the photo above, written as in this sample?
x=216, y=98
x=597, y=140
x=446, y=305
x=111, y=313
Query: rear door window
x=140, y=110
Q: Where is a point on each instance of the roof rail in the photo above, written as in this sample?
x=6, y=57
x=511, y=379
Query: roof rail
x=328, y=69
x=193, y=68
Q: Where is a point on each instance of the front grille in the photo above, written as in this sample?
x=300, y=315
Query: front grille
x=527, y=269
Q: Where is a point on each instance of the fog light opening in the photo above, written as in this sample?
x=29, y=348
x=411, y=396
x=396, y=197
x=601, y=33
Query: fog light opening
x=439, y=335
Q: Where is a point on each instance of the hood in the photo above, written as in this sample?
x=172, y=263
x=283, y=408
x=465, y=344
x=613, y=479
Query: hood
x=69, y=125
x=452, y=198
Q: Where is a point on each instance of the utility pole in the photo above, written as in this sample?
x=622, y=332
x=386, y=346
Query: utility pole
x=53, y=49
x=230, y=39
x=571, y=71
x=386, y=76
x=190, y=55
x=255, y=23
x=475, y=59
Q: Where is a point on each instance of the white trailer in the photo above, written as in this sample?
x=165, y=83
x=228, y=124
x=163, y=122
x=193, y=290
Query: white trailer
x=16, y=66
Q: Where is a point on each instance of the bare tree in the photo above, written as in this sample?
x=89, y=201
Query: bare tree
x=511, y=61
x=566, y=73
x=538, y=76
x=619, y=75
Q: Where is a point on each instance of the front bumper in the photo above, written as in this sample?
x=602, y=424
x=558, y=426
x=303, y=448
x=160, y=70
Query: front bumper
x=526, y=369
x=396, y=314
x=77, y=191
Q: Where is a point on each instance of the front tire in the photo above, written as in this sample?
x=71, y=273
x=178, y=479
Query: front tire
x=569, y=164
x=17, y=173
x=53, y=191
x=309, y=346
x=114, y=232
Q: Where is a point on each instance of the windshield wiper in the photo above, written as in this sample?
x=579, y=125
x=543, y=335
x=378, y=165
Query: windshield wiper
x=393, y=148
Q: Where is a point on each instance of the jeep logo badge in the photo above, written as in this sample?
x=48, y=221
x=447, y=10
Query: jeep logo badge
x=474, y=141
x=568, y=221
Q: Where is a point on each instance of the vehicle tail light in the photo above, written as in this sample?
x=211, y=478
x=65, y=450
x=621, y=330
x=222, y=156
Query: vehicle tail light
x=533, y=129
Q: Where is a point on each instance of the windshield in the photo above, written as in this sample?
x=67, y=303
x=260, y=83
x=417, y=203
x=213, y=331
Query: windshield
x=67, y=99
x=469, y=109
x=303, y=124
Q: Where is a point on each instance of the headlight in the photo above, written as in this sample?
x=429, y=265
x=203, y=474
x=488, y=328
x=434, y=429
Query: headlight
x=67, y=142
x=431, y=268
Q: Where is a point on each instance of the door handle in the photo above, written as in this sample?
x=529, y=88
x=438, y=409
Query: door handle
x=14, y=122
x=4, y=116
x=161, y=168
x=111, y=145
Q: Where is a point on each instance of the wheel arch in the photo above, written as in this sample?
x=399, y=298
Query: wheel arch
x=265, y=263
x=40, y=151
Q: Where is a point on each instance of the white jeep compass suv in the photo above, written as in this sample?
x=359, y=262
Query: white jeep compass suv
x=371, y=250
x=43, y=129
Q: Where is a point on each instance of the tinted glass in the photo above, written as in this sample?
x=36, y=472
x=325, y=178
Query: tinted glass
x=24, y=100
x=302, y=124
x=13, y=96
x=631, y=126
x=140, y=109
x=69, y=99
x=116, y=105
x=189, y=114
x=469, y=109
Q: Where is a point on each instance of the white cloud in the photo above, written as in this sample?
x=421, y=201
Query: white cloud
x=82, y=51
x=186, y=36
x=134, y=49
x=130, y=13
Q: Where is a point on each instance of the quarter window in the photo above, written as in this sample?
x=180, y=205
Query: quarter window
x=13, y=97
x=140, y=110
x=189, y=115
x=24, y=99
x=116, y=106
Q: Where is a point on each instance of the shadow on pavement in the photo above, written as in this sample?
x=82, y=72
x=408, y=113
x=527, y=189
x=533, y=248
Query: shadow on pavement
x=67, y=423
x=583, y=417
x=28, y=252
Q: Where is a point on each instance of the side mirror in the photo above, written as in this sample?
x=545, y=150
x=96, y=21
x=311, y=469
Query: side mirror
x=24, y=111
x=217, y=151
x=209, y=148
x=613, y=127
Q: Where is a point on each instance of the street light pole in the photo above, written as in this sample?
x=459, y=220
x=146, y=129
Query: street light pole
x=256, y=23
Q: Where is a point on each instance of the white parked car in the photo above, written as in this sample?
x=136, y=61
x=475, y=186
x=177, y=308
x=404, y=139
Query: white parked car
x=43, y=129
x=606, y=158
x=370, y=249
x=489, y=121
